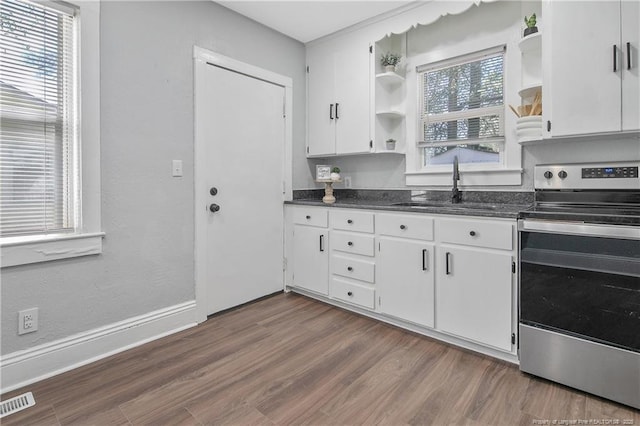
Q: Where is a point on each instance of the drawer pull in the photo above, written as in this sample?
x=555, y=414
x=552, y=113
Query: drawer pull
x=349, y=268
x=349, y=293
x=349, y=221
x=308, y=217
x=350, y=243
x=403, y=227
x=472, y=233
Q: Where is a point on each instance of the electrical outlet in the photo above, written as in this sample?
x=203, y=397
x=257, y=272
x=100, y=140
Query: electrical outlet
x=176, y=168
x=28, y=321
x=347, y=181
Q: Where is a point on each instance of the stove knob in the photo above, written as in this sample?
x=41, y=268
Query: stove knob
x=548, y=174
x=562, y=174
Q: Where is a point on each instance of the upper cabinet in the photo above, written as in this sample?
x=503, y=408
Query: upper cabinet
x=338, y=98
x=590, y=67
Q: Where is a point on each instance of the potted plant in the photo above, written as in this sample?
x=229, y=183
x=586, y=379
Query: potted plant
x=335, y=174
x=530, y=22
x=391, y=144
x=390, y=60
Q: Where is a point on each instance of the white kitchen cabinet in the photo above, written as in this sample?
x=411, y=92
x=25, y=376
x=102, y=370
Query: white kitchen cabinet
x=406, y=279
x=405, y=264
x=588, y=86
x=338, y=98
x=352, y=263
x=475, y=281
x=311, y=249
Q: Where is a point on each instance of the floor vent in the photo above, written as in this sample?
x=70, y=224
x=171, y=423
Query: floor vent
x=16, y=404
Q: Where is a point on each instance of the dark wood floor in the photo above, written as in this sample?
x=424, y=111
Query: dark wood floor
x=291, y=360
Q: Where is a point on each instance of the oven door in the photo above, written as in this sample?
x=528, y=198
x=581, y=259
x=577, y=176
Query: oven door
x=582, y=280
x=580, y=306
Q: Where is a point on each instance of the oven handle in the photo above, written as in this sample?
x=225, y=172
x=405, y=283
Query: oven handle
x=581, y=229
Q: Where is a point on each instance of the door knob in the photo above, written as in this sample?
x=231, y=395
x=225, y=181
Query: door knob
x=214, y=208
x=213, y=191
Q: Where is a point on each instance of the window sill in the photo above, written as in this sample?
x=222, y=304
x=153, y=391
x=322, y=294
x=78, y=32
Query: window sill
x=478, y=177
x=25, y=250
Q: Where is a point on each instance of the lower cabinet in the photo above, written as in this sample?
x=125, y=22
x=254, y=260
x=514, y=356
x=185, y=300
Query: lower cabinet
x=451, y=275
x=311, y=243
x=476, y=280
x=474, y=295
x=352, y=262
x=406, y=280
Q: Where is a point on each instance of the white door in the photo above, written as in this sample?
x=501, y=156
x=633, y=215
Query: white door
x=585, y=90
x=311, y=259
x=406, y=280
x=240, y=134
x=473, y=295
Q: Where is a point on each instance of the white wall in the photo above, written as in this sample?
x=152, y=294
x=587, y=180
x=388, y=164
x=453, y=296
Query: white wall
x=147, y=120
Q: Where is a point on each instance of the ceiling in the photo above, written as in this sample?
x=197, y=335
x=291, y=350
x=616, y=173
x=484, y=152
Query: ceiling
x=309, y=20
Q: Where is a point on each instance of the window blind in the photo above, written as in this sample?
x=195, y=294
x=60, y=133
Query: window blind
x=38, y=110
x=462, y=99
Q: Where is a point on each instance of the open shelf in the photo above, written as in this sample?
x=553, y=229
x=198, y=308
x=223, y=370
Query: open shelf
x=531, y=43
x=390, y=79
x=390, y=114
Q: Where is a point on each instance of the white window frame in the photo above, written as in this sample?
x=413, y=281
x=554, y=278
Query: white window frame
x=87, y=239
x=506, y=173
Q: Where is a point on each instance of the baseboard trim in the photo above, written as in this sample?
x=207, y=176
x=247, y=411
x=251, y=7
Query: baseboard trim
x=31, y=365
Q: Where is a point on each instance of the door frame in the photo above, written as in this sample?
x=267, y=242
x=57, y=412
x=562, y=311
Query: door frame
x=204, y=56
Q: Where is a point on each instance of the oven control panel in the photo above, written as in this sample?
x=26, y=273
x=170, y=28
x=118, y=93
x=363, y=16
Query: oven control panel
x=609, y=172
x=615, y=175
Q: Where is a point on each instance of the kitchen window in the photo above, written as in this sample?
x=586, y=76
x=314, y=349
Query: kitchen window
x=462, y=109
x=49, y=158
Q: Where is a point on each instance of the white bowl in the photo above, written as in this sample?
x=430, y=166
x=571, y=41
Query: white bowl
x=527, y=126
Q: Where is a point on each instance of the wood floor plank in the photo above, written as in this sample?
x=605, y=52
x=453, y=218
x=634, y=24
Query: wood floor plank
x=290, y=360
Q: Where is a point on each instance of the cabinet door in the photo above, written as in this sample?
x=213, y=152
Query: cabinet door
x=405, y=280
x=352, y=95
x=321, y=130
x=582, y=91
x=474, y=293
x=311, y=258
x=631, y=65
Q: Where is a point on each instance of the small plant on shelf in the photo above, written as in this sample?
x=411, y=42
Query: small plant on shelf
x=335, y=173
x=390, y=60
x=530, y=22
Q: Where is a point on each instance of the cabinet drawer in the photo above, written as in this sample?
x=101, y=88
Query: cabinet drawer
x=311, y=216
x=353, y=268
x=353, y=243
x=353, y=293
x=350, y=220
x=407, y=226
x=496, y=235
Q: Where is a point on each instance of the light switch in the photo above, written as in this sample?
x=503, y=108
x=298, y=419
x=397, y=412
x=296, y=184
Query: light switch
x=176, y=168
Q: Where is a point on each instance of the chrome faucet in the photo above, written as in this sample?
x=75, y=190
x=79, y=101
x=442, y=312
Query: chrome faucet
x=456, y=194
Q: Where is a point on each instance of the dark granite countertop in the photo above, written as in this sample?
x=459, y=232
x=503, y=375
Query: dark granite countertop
x=503, y=205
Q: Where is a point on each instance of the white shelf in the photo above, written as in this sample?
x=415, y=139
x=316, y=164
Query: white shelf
x=390, y=79
x=530, y=90
x=530, y=43
x=390, y=114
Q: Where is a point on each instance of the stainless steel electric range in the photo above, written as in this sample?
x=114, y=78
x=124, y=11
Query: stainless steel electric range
x=580, y=279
